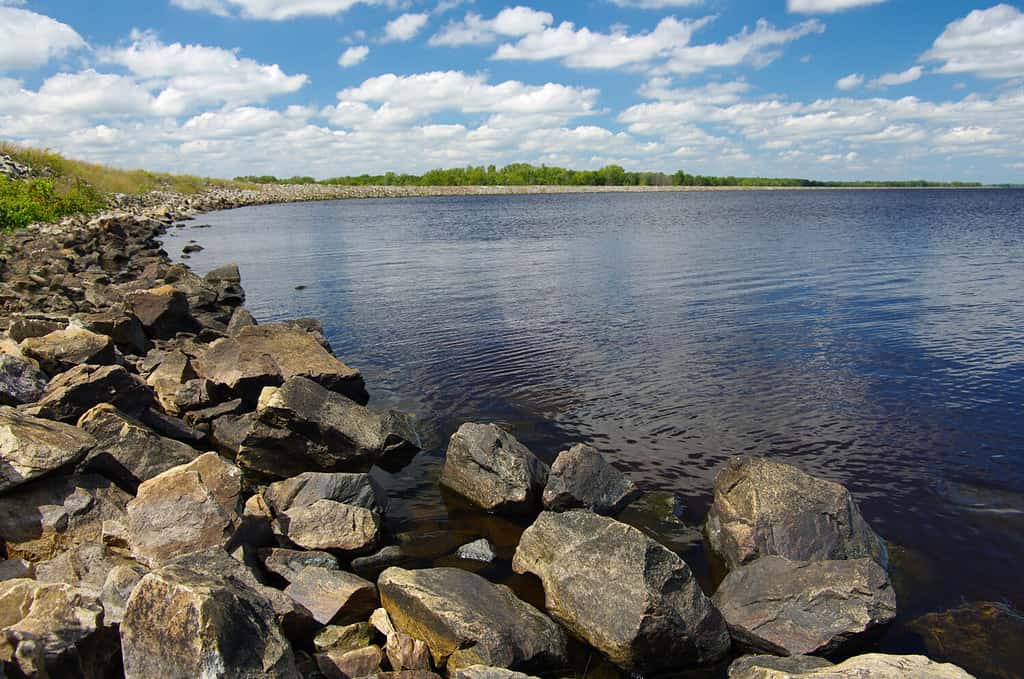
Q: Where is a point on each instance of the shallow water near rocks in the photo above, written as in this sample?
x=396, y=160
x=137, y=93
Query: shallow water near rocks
x=872, y=337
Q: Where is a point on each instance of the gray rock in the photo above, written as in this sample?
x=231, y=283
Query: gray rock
x=334, y=596
x=791, y=665
x=362, y=662
x=490, y=468
x=621, y=592
x=14, y=569
x=123, y=328
x=764, y=508
x=20, y=381
x=870, y=666
x=31, y=447
x=303, y=490
x=288, y=563
x=183, y=622
x=304, y=427
x=581, y=478
x=49, y=630
x=372, y=565
x=117, y=589
x=127, y=452
x=805, y=607
x=478, y=550
x=23, y=326
x=185, y=509
x=163, y=311
x=268, y=355
x=84, y=566
x=241, y=318
x=484, y=672
x=466, y=620
x=69, y=395
x=169, y=377
x=330, y=525
x=62, y=350
x=41, y=519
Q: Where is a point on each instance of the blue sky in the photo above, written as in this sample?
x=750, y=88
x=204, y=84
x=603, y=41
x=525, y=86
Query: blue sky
x=825, y=89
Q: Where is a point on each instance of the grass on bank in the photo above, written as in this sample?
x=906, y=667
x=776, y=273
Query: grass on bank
x=72, y=186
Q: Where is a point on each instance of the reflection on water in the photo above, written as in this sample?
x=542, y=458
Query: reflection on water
x=876, y=338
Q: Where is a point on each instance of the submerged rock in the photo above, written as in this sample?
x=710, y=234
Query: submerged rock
x=983, y=636
x=805, y=607
x=304, y=427
x=870, y=666
x=31, y=447
x=764, y=508
x=183, y=622
x=490, y=468
x=581, y=478
x=621, y=592
x=466, y=620
x=268, y=355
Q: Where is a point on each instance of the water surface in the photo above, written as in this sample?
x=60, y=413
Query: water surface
x=871, y=337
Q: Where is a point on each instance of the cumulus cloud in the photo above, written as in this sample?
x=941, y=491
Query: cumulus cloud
x=274, y=10
x=473, y=29
x=28, y=39
x=902, y=78
x=827, y=6
x=353, y=55
x=656, y=4
x=850, y=82
x=987, y=42
x=758, y=47
x=583, y=48
x=660, y=87
x=405, y=27
x=190, y=75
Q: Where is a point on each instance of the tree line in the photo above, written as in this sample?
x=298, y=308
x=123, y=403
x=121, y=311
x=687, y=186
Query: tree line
x=524, y=174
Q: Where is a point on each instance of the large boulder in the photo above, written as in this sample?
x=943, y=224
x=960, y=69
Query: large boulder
x=490, y=468
x=870, y=666
x=303, y=426
x=581, y=478
x=51, y=630
x=763, y=507
x=163, y=311
x=71, y=394
x=186, y=509
x=31, y=447
x=330, y=525
x=62, y=350
x=183, y=621
x=466, y=620
x=123, y=328
x=621, y=592
x=41, y=519
x=268, y=355
x=127, y=451
x=805, y=607
x=20, y=381
x=334, y=596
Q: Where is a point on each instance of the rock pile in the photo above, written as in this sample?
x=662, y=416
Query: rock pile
x=10, y=168
x=185, y=493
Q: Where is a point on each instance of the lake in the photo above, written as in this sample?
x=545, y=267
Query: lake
x=871, y=337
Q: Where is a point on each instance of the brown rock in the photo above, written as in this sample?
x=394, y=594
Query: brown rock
x=334, y=596
x=62, y=350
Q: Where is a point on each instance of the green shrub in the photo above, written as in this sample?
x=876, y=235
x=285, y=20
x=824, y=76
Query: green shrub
x=40, y=200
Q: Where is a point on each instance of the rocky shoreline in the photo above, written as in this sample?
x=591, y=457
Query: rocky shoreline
x=184, y=493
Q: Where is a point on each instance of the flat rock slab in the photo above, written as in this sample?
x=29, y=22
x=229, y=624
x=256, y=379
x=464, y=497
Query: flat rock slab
x=490, y=468
x=621, y=592
x=334, y=596
x=288, y=563
x=303, y=490
x=31, y=447
x=70, y=394
x=330, y=525
x=466, y=620
x=870, y=666
x=763, y=507
x=62, y=350
x=581, y=478
x=127, y=451
x=805, y=607
x=268, y=355
x=304, y=427
x=183, y=622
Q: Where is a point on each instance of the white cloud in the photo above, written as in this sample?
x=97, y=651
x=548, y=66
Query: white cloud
x=657, y=4
x=274, y=10
x=353, y=55
x=901, y=78
x=987, y=42
x=850, y=82
x=191, y=75
x=475, y=30
x=758, y=47
x=827, y=6
x=28, y=39
x=661, y=88
x=584, y=48
x=405, y=27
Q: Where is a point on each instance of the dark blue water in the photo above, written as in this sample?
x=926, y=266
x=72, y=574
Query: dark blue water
x=871, y=337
